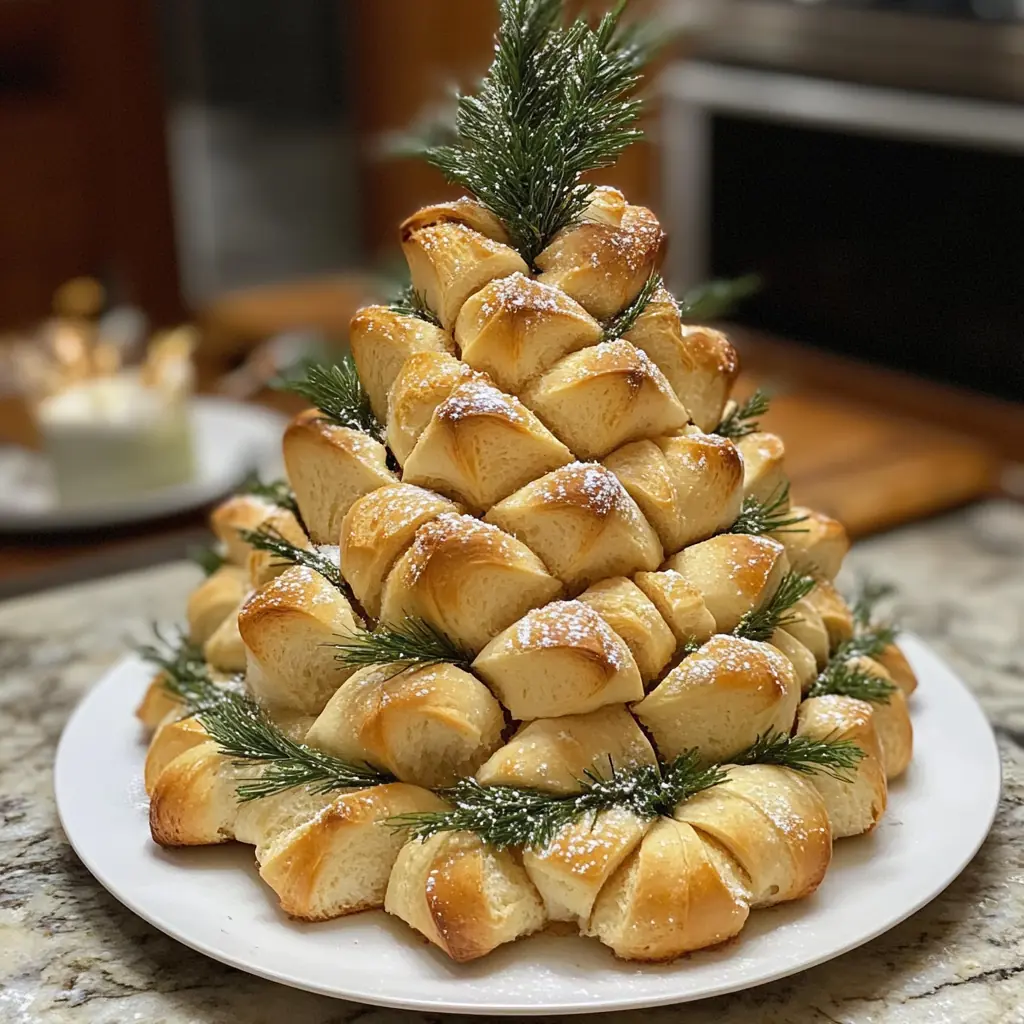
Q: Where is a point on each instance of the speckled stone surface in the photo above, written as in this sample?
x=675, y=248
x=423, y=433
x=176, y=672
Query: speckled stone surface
x=70, y=953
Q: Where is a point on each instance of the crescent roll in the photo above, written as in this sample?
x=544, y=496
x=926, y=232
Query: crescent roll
x=764, y=472
x=628, y=610
x=213, y=600
x=224, y=651
x=582, y=523
x=240, y=512
x=338, y=862
x=156, y=704
x=774, y=825
x=377, y=529
x=603, y=396
x=515, y=328
x=285, y=626
x=720, y=699
x=894, y=661
x=562, y=659
x=677, y=892
x=381, y=340
x=480, y=445
x=464, y=896
x=467, y=578
x=463, y=210
x=853, y=806
x=805, y=667
x=329, y=467
x=807, y=626
x=192, y=801
x=430, y=725
x=555, y=754
x=818, y=545
x=262, y=822
x=735, y=574
x=689, y=487
x=173, y=736
x=263, y=565
x=834, y=612
x=679, y=603
x=892, y=721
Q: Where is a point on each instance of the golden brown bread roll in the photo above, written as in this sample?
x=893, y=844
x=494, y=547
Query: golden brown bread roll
x=582, y=523
x=818, y=545
x=764, y=472
x=429, y=725
x=157, y=702
x=720, y=699
x=571, y=869
x=377, y=529
x=555, y=754
x=679, y=603
x=607, y=205
x=604, y=265
x=735, y=574
x=834, y=611
x=676, y=893
x=173, y=736
x=806, y=625
x=773, y=823
x=262, y=822
x=285, y=626
x=597, y=399
x=225, y=651
x=463, y=210
x=213, y=600
x=464, y=896
x=338, y=862
x=562, y=659
x=381, y=340
x=480, y=445
x=853, y=806
x=192, y=801
x=805, y=667
x=241, y=512
x=263, y=565
x=514, y=329
x=449, y=261
x=467, y=578
x=329, y=467
x=894, y=661
x=689, y=487
x=631, y=614
x=892, y=720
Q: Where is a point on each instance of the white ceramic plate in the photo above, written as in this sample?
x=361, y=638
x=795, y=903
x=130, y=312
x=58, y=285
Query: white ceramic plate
x=231, y=440
x=212, y=899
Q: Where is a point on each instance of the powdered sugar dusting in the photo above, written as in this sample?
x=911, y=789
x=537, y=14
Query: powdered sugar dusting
x=569, y=624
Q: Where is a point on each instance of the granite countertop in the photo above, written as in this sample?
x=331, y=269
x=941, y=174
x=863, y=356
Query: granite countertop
x=69, y=952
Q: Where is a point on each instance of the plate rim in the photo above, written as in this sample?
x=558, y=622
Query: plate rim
x=628, y=1002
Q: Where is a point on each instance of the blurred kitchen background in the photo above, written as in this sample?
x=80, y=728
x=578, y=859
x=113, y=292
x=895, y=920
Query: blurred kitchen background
x=231, y=163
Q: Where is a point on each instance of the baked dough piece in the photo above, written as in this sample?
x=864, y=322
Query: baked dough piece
x=241, y=512
x=805, y=668
x=894, y=661
x=625, y=607
x=425, y=380
x=562, y=659
x=377, y=529
x=603, y=396
x=806, y=625
x=480, y=445
x=892, y=721
x=853, y=806
x=263, y=565
x=764, y=472
x=381, y=340
x=467, y=578
x=834, y=611
x=604, y=265
x=213, y=600
x=173, y=736
x=680, y=604
x=514, y=329
x=699, y=363
x=555, y=754
x=464, y=896
x=192, y=801
x=677, y=892
x=571, y=869
x=329, y=467
x=285, y=626
x=818, y=545
x=735, y=574
x=449, y=261
x=338, y=862
x=262, y=822
x=429, y=725
x=582, y=523
x=463, y=210
x=157, y=703
x=224, y=651
x=773, y=823
x=689, y=487
x=720, y=699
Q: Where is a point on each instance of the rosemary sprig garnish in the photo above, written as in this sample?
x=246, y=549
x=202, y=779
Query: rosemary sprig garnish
x=742, y=419
x=555, y=103
x=761, y=623
x=625, y=321
x=335, y=390
x=410, y=302
x=277, y=492
x=411, y=642
x=870, y=637
x=716, y=299
x=846, y=680
x=269, y=538
x=185, y=674
x=836, y=758
x=772, y=516
x=208, y=558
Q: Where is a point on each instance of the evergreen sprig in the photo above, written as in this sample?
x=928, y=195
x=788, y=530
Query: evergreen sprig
x=277, y=492
x=762, y=622
x=412, y=642
x=335, y=389
x=846, y=680
x=184, y=672
x=410, y=302
x=625, y=321
x=758, y=517
x=269, y=538
x=836, y=758
x=555, y=103
x=715, y=299
x=742, y=419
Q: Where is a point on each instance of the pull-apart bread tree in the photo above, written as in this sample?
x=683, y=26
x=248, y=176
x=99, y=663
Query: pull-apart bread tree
x=532, y=632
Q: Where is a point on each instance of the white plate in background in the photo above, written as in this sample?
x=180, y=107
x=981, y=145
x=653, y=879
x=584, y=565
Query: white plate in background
x=212, y=899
